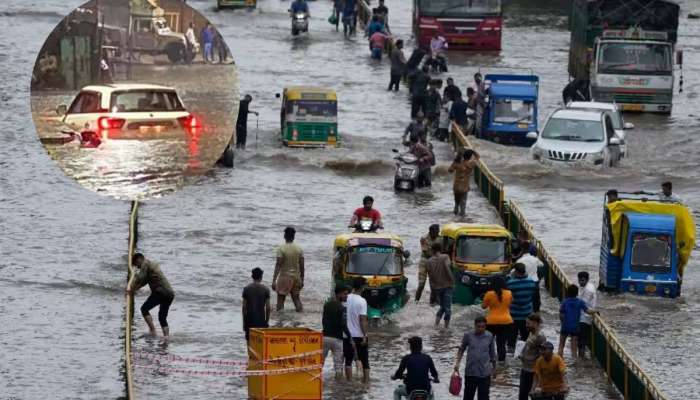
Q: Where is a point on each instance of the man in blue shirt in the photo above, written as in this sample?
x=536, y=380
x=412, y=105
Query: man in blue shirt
x=300, y=6
x=458, y=112
x=481, y=361
x=570, y=315
x=526, y=300
x=417, y=366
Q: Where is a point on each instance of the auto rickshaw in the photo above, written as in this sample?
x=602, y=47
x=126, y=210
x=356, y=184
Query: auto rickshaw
x=479, y=253
x=645, y=246
x=309, y=117
x=379, y=258
x=221, y=4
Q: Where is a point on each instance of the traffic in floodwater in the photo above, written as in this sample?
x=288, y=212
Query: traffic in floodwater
x=208, y=236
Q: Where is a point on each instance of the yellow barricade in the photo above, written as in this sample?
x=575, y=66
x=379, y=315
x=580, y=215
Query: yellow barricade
x=295, y=350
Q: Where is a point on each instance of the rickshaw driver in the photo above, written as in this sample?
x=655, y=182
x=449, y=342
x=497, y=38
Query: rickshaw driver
x=367, y=212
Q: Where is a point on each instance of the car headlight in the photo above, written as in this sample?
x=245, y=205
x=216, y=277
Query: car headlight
x=392, y=292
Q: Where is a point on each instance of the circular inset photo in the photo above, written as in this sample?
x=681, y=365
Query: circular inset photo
x=133, y=98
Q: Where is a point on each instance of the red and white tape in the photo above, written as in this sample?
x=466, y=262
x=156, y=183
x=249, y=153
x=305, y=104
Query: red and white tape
x=195, y=372
x=217, y=362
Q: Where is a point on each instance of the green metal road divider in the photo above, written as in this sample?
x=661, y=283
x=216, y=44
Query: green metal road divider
x=129, y=314
x=622, y=370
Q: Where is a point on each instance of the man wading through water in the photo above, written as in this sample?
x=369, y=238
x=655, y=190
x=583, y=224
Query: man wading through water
x=162, y=294
x=426, y=246
x=288, y=277
x=242, y=121
x=255, y=307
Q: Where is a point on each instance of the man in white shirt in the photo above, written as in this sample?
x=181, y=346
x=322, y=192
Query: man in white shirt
x=590, y=297
x=191, y=41
x=357, y=346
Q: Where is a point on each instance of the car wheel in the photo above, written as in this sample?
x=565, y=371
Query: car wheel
x=175, y=52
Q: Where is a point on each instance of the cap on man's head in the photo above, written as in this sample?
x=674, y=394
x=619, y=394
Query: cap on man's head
x=547, y=345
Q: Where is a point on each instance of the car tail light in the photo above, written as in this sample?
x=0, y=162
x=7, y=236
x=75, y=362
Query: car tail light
x=110, y=123
x=188, y=121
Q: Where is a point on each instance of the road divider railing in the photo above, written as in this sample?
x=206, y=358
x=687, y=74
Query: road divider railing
x=129, y=314
x=620, y=367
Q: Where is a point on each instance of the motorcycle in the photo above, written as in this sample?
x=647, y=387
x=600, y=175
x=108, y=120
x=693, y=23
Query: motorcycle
x=406, y=175
x=364, y=225
x=300, y=23
x=419, y=394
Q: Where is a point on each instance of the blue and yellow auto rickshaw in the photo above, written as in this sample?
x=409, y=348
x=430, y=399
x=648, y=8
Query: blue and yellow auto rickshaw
x=509, y=109
x=479, y=253
x=309, y=117
x=645, y=246
x=380, y=259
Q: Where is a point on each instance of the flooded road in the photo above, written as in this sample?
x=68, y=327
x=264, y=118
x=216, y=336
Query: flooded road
x=62, y=253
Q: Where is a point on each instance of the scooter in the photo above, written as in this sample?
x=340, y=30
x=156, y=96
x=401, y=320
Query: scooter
x=365, y=225
x=419, y=394
x=406, y=175
x=300, y=23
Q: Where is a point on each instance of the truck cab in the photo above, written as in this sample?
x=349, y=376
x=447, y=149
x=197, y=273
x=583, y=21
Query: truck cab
x=645, y=246
x=510, y=110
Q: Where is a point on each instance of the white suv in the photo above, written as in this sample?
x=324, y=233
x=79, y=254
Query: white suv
x=618, y=122
x=123, y=109
x=584, y=137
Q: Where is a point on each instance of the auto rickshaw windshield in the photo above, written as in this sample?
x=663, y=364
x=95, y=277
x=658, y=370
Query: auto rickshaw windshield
x=513, y=110
x=375, y=260
x=482, y=250
x=316, y=108
x=651, y=253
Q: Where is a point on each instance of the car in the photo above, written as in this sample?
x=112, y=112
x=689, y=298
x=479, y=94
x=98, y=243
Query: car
x=578, y=137
x=122, y=109
x=618, y=122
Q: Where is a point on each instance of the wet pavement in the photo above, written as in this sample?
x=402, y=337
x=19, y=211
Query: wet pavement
x=63, y=247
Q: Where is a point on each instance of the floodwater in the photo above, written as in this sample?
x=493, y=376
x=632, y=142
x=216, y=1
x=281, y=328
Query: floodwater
x=143, y=164
x=62, y=252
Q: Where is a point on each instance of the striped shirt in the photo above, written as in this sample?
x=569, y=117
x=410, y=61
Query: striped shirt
x=523, y=289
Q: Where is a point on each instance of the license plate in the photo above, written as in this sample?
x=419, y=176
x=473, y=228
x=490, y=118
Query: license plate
x=650, y=288
x=523, y=126
x=152, y=128
x=461, y=40
x=404, y=185
x=632, y=107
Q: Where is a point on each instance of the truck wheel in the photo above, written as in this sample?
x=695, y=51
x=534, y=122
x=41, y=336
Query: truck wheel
x=175, y=52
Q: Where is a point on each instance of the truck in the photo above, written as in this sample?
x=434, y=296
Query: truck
x=465, y=24
x=624, y=50
x=149, y=33
x=645, y=246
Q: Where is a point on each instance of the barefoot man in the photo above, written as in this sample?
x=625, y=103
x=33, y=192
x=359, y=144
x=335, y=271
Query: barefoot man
x=148, y=272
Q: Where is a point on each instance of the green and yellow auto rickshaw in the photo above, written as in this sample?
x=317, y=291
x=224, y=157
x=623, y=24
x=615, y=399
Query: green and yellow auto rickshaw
x=380, y=259
x=479, y=253
x=236, y=4
x=309, y=117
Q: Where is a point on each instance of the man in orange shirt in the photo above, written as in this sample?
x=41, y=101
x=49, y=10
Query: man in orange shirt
x=550, y=375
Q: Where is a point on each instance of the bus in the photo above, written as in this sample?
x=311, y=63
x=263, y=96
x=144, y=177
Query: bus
x=465, y=24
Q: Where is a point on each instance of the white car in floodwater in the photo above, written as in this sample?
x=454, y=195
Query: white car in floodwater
x=124, y=110
x=578, y=137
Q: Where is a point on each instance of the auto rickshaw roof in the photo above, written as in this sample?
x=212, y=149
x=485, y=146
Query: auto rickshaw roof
x=364, y=238
x=685, y=225
x=513, y=90
x=298, y=92
x=463, y=229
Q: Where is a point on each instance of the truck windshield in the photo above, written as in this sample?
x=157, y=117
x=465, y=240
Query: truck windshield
x=315, y=108
x=145, y=101
x=374, y=260
x=651, y=253
x=573, y=130
x=458, y=8
x=635, y=58
x=513, y=111
x=482, y=250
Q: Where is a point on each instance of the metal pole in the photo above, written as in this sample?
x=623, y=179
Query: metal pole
x=257, y=120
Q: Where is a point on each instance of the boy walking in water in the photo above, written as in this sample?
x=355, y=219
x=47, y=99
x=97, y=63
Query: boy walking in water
x=570, y=314
x=162, y=294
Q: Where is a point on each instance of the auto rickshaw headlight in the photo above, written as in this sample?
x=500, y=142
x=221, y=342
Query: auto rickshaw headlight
x=465, y=279
x=392, y=292
x=374, y=292
x=667, y=291
x=631, y=288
